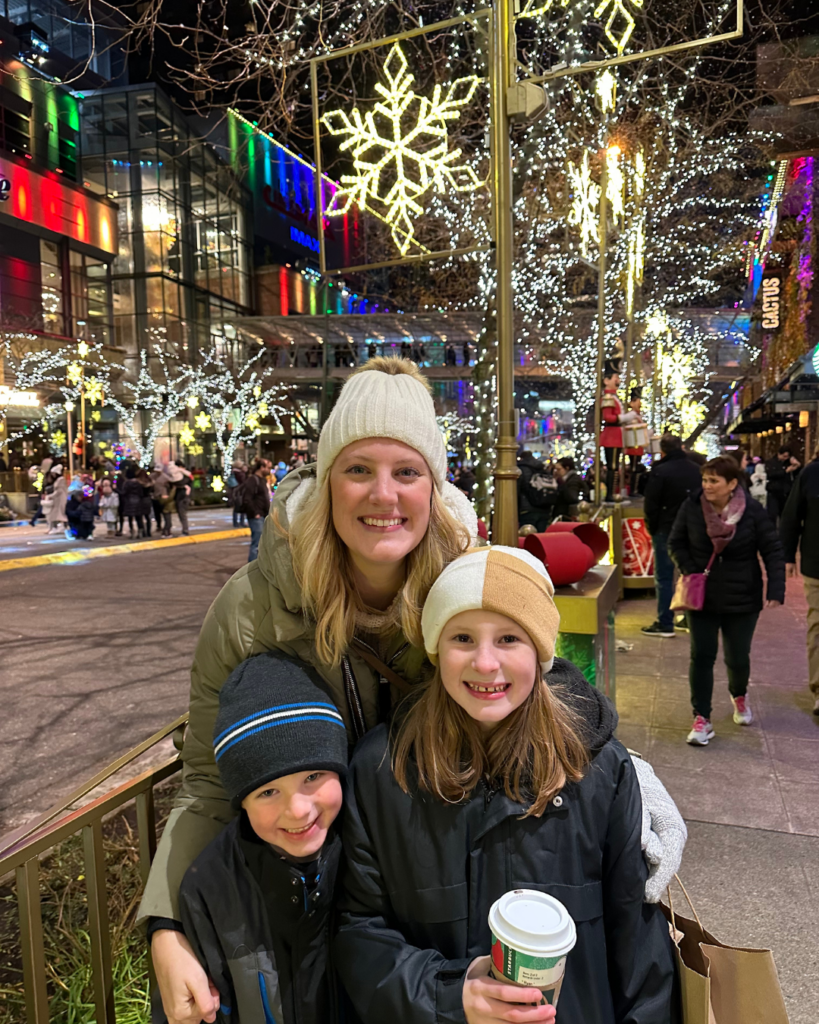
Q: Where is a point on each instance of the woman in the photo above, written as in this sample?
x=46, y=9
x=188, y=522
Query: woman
x=723, y=529
x=146, y=502
x=348, y=554
x=55, y=509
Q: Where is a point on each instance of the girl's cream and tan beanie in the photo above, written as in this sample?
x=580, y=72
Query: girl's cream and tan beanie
x=378, y=404
x=508, y=581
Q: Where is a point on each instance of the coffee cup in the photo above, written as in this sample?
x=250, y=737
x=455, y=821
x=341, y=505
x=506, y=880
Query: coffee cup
x=532, y=934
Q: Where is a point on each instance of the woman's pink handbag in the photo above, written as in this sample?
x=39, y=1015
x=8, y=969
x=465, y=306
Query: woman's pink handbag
x=689, y=594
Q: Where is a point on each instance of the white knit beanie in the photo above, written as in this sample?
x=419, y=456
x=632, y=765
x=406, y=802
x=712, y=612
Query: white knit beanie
x=499, y=579
x=377, y=404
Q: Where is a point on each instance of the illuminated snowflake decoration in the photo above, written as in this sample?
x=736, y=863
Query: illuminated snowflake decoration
x=202, y=421
x=58, y=439
x=94, y=390
x=217, y=484
x=401, y=151
x=585, y=203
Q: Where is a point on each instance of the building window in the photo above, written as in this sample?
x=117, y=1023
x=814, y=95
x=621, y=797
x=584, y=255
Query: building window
x=52, y=290
x=15, y=131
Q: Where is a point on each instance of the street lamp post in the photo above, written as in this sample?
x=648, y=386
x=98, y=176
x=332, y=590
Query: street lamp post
x=505, y=524
x=601, y=324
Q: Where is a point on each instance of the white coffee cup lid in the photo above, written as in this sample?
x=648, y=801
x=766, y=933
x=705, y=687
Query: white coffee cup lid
x=533, y=922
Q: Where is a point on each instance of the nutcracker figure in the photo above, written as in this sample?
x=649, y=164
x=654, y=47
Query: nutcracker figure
x=612, y=419
x=636, y=453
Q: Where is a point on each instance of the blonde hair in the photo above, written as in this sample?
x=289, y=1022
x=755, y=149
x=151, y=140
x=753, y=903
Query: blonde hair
x=533, y=752
x=322, y=566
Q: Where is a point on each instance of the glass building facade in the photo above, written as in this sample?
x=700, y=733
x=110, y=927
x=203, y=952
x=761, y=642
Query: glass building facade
x=184, y=262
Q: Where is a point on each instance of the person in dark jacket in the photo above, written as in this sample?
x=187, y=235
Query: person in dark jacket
x=669, y=483
x=132, y=499
x=81, y=508
x=780, y=472
x=484, y=785
x=723, y=530
x=535, y=497
x=571, y=488
x=257, y=903
x=255, y=502
x=799, y=527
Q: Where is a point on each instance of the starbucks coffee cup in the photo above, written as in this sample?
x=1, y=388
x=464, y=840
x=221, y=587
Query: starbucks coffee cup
x=532, y=934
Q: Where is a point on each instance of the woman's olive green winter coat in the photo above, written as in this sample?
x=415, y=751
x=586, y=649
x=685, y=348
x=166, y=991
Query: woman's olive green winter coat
x=259, y=609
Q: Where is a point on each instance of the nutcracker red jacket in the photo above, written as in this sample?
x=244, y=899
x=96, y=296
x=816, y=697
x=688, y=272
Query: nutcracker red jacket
x=422, y=874
x=611, y=435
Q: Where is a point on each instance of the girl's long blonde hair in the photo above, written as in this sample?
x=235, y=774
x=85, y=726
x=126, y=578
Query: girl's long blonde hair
x=533, y=752
x=322, y=566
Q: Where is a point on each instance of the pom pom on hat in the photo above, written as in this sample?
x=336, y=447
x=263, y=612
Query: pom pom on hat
x=377, y=402
x=508, y=581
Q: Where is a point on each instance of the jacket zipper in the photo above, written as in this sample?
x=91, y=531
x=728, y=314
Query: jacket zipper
x=353, y=699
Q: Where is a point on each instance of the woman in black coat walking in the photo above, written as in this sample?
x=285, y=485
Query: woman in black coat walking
x=723, y=527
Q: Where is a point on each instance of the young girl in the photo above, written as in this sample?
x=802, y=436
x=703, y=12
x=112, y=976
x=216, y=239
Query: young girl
x=489, y=782
x=108, y=506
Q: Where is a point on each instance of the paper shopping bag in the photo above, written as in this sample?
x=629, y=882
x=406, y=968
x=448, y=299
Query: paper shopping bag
x=723, y=984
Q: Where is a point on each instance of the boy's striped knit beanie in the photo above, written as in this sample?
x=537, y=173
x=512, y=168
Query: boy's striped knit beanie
x=273, y=721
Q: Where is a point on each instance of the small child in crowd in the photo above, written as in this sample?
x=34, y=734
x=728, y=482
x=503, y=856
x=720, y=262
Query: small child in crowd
x=489, y=782
x=108, y=506
x=256, y=904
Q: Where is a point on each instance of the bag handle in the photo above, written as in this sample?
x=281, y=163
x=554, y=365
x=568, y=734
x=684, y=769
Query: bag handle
x=382, y=667
x=705, y=573
x=690, y=904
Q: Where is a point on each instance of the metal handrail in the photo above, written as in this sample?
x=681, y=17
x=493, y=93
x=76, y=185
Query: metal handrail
x=21, y=853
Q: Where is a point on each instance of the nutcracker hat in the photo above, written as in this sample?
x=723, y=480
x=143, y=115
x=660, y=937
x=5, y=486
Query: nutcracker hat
x=612, y=366
x=508, y=581
x=636, y=394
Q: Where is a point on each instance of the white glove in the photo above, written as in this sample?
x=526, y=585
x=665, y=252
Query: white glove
x=629, y=417
x=663, y=834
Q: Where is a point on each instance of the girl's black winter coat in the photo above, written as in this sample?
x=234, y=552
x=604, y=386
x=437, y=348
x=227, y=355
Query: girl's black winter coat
x=421, y=876
x=735, y=581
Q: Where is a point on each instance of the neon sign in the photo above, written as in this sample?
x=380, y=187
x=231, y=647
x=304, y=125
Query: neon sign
x=302, y=238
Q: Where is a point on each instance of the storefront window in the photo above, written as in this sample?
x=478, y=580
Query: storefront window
x=51, y=270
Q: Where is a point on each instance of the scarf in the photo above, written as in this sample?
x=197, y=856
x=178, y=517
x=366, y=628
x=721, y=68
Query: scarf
x=721, y=526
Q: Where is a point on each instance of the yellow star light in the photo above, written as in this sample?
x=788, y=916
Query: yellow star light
x=83, y=349
x=93, y=390
x=263, y=408
x=218, y=484
x=58, y=438
x=44, y=425
x=96, y=415
x=38, y=483
x=75, y=372
x=252, y=421
x=193, y=401
x=186, y=436
x=202, y=421
x=400, y=149
x=585, y=203
x=195, y=449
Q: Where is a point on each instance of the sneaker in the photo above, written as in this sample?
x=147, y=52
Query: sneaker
x=742, y=711
x=701, y=733
x=655, y=629
x=681, y=624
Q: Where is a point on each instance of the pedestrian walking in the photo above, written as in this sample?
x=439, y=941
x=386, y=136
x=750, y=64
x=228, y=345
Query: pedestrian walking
x=346, y=559
x=799, y=527
x=482, y=786
x=255, y=498
x=780, y=472
x=55, y=500
x=671, y=480
x=132, y=497
x=722, y=530
x=146, y=503
x=108, y=506
x=238, y=475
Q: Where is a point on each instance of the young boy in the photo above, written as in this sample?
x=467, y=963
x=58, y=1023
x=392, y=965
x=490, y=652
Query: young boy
x=256, y=903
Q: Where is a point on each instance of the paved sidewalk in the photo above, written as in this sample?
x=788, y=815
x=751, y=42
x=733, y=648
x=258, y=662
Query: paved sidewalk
x=24, y=541
x=749, y=797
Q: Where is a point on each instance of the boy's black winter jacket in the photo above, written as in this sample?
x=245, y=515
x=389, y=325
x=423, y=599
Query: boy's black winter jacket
x=735, y=581
x=421, y=876
x=261, y=929
x=799, y=524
